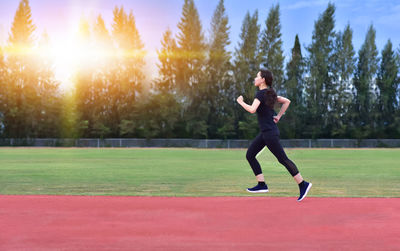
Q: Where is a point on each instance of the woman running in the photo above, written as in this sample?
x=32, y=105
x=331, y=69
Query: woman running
x=263, y=104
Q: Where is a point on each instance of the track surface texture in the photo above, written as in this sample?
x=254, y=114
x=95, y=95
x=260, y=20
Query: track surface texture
x=42, y=222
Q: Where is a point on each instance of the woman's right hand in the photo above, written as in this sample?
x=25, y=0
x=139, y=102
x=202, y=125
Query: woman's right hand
x=239, y=99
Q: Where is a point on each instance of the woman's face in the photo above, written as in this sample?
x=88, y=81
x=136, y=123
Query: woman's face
x=259, y=80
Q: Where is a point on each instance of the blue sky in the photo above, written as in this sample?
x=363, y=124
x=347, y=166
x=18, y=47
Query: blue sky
x=153, y=17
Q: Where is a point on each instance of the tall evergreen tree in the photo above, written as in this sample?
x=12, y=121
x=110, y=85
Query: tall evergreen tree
x=320, y=87
x=106, y=93
x=162, y=109
x=127, y=83
x=83, y=91
x=102, y=36
x=344, y=68
x=119, y=27
x=127, y=38
x=102, y=79
x=364, y=78
x=190, y=77
x=22, y=28
x=131, y=49
x=219, y=84
x=167, y=67
x=294, y=86
x=22, y=99
x=295, y=69
x=387, y=82
x=271, y=47
x=246, y=65
x=48, y=109
x=30, y=98
x=191, y=52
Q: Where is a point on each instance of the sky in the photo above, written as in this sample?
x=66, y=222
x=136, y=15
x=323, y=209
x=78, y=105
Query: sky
x=153, y=17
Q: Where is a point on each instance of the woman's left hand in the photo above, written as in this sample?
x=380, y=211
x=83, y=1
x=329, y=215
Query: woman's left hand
x=276, y=119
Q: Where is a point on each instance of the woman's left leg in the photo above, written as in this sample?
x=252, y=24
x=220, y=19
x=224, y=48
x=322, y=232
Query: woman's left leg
x=276, y=148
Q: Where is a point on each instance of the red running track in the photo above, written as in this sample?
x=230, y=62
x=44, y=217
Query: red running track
x=187, y=223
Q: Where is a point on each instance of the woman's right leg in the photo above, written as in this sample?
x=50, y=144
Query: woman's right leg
x=256, y=146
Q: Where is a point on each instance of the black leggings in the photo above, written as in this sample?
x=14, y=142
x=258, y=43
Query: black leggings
x=273, y=144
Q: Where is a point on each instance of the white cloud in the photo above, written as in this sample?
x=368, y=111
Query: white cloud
x=361, y=20
x=396, y=8
x=390, y=16
x=391, y=19
x=305, y=4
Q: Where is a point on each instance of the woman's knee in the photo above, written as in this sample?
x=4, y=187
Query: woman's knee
x=250, y=155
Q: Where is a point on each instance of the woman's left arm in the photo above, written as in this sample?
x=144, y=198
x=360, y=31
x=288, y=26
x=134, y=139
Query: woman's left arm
x=285, y=104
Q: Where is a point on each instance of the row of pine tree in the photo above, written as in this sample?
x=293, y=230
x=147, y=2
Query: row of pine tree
x=335, y=92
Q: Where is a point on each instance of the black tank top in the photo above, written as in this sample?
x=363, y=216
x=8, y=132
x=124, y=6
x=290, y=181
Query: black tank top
x=265, y=114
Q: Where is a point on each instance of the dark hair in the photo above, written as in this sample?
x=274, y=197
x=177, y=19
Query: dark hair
x=270, y=95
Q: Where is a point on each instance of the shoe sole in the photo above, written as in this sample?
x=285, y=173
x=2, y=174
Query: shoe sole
x=305, y=194
x=259, y=191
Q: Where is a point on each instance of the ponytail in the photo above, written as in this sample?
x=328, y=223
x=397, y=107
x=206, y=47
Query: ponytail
x=270, y=95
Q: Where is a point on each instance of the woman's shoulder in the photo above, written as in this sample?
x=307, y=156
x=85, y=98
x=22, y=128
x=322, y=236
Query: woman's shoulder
x=261, y=91
x=260, y=94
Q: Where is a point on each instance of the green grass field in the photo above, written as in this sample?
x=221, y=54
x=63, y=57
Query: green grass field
x=195, y=172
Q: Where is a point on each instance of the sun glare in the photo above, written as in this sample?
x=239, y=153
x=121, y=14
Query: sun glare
x=63, y=54
x=70, y=52
x=70, y=55
x=73, y=52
